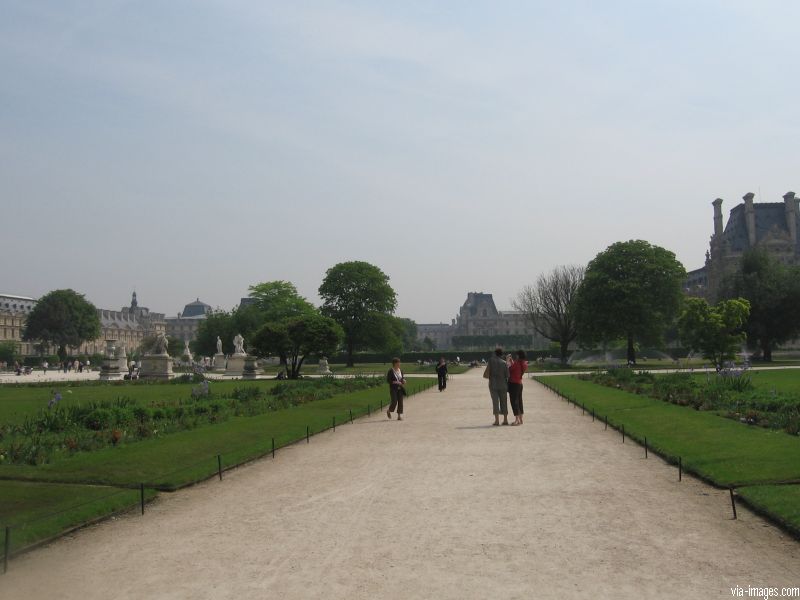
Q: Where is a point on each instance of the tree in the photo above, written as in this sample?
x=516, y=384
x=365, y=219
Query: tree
x=9, y=352
x=355, y=294
x=716, y=331
x=549, y=305
x=632, y=290
x=278, y=300
x=773, y=291
x=64, y=318
x=297, y=338
x=220, y=324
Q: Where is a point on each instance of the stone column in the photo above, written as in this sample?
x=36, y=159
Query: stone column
x=750, y=218
x=791, y=215
x=717, y=217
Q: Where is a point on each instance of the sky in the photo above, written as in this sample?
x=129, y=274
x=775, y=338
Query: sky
x=192, y=148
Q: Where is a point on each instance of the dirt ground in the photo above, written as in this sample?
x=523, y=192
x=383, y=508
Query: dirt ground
x=440, y=505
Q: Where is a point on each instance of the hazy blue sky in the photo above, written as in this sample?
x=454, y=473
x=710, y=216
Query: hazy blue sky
x=192, y=148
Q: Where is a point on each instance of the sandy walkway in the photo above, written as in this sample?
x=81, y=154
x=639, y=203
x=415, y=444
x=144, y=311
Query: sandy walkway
x=440, y=505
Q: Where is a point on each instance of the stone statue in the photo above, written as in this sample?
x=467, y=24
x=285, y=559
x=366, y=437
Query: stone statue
x=238, y=344
x=186, y=351
x=219, y=345
x=161, y=344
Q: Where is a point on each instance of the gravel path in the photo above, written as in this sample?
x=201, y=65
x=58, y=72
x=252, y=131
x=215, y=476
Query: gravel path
x=440, y=505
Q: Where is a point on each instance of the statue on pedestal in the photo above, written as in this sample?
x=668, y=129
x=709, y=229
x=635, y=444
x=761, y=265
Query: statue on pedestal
x=219, y=345
x=238, y=344
x=161, y=344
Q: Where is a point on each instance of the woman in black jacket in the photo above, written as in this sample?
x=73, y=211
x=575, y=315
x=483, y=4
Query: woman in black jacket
x=441, y=373
x=397, y=389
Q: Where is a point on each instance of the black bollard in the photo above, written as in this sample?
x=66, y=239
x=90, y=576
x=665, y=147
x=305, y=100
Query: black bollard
x=645, y=447
x=273, y=447
x=7, y=546
x=219, y=466
x=623, y=434
x=592, y=415
x=141, y=496
x=606, y=421
x=308, y=433
x=583, y=409
x=351, y=416
x=334, y=422
x=680, y=468
x=733, y=503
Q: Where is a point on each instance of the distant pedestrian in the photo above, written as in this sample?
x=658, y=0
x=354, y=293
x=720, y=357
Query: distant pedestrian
x=45, y=365
x=397, y=389
x=441, y=373
x=497, y=374
x=516, y=370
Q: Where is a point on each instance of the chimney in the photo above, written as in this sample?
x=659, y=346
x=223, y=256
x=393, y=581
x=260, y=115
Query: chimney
x=717, y=217
x=750, y=218
x=791, y=215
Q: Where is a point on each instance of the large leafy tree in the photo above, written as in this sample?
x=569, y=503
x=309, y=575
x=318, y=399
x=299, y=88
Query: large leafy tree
x=278, y=300
x=62, y=318
x=773, y=291
x=297, y=338
x=549, y=305
x=716, y=331
x=356, y=295
x=633, y=291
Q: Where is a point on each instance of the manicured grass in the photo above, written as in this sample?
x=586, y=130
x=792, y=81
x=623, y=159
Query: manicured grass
x=721, y=450
x=781, y=502
x=76, y=492
x=781, y=380
x=18, y=401
x=37, y=511
x=181, y=458
x=375, y=369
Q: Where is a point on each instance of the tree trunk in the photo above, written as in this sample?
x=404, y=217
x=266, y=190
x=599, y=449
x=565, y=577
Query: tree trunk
x=766, y=350
x=350, y=352
x=62, y=353
x=631, y=350
x=564, y=351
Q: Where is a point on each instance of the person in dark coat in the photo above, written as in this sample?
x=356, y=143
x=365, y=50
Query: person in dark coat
x=397, y=389
x=441, y=373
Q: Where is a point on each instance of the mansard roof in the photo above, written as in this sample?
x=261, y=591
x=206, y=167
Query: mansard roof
x=769, y=216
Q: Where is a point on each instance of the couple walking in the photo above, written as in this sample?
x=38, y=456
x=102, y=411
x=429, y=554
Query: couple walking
x=505, y=379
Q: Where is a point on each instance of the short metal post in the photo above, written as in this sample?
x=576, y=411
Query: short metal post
x=308, y=433
x=7, y=549
x=273, y=447
x=623, y=434
x=645, y=447
x=219, y=466
x=334, y=422
x=351, y=416
x=680, y=468
x=606, y=421
x=141, y=496
x=733, y=503
x=592, y=415
x=368, y=411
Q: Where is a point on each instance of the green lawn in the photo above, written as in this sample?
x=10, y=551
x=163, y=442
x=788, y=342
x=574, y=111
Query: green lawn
x=37, y=511
x=17, y=401
x=76, y=486
x=782, y=502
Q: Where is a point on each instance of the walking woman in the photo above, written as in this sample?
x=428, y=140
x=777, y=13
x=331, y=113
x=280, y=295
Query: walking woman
x=441, y=373
x=516, y=370
x=397, y=389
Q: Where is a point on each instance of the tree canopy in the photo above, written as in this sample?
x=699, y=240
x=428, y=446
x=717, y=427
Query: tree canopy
x=297, y=338
x=549, y=305
x=632, y=290
x=716, y=331
x=279, y=300
x=62, y=318
x=773, y=291
x=356, y=295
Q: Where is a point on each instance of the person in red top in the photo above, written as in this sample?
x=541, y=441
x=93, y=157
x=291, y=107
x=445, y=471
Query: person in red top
x=516, y=369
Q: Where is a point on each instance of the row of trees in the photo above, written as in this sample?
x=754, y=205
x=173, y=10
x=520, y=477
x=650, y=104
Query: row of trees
x=356, y=313
x=632, y=292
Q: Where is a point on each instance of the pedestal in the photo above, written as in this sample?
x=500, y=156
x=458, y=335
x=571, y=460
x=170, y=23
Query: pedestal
x=110, y=371
x=250, y=366
x=156, y=366
x=219, y=363
x=235, y=366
